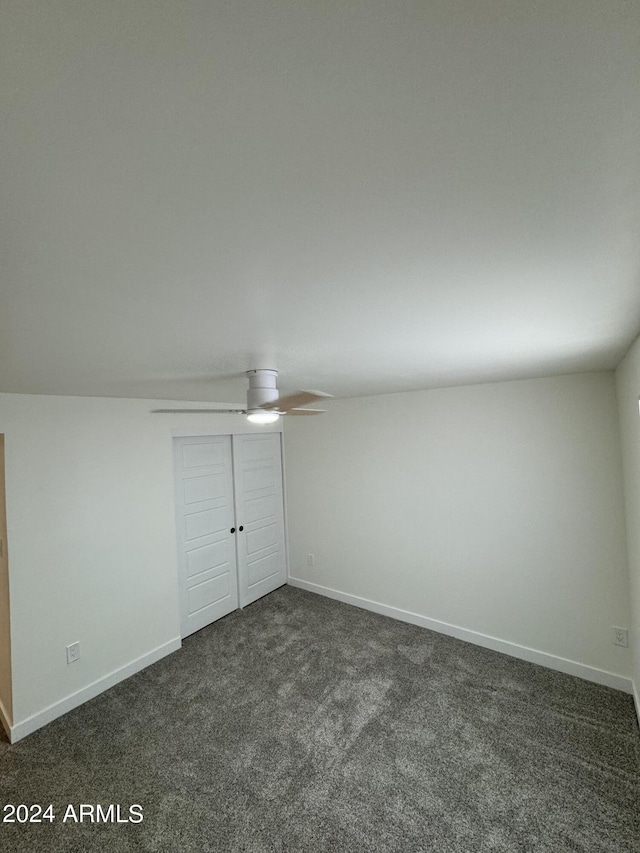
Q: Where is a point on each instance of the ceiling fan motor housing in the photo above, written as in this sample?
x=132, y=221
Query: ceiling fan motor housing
x=262, y=388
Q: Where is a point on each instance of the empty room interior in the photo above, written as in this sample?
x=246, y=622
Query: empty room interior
x=320, y=425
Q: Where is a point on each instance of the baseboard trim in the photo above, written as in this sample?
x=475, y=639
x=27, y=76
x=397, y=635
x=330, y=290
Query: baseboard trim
x=57, y=709
x=569, y=667
x=5, y=719
x=636, y=698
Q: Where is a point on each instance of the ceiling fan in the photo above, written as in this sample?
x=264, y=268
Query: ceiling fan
x=264, y=403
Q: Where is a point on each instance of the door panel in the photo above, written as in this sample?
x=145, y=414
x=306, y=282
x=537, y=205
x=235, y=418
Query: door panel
x=199, y=487
x=259, y=510
x=263, y=568
x=261, y=538
x=205, y=522
x=207, y=558
x=205, y=516
x=207, y=453
x=258, y=478
x=202, y=594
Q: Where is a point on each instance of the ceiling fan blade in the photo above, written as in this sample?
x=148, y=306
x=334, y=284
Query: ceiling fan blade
x=292, y=401
x=304, y=412
x=199, y=411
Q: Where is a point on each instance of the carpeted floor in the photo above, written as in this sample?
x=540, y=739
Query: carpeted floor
x=303, y=724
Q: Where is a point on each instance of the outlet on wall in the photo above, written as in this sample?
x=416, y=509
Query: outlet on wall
x=620, y=637
x=73, y=652
x=311, y=560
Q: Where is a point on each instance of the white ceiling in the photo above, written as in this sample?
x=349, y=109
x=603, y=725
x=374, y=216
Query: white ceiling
x=369, y=196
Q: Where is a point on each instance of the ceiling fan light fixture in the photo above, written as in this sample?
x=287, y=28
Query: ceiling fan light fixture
x=263, y=417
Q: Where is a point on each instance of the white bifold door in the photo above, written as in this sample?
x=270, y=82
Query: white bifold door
x=230, y=522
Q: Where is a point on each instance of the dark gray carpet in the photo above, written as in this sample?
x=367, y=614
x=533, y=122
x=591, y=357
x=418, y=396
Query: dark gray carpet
x=303, y=724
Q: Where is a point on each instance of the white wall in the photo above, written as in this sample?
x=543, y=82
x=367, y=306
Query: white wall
x=496, y=508
x=5, y=625
x=628, y=386
x=91, y=529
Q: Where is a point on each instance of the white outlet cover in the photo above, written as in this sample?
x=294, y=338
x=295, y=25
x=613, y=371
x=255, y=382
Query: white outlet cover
x=73, y=652
x=621, y=637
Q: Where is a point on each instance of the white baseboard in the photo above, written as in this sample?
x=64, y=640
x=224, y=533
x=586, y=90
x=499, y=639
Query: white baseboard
x=36, y=721
x=5, y=719
x=636, y=697
x=570, y=667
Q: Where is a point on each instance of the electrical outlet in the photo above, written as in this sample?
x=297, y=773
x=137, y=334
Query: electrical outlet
x=620, y=637
x=73, y=652
x=311, y=560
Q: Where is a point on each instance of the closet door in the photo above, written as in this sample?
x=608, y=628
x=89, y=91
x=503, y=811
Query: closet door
x=257, y=465
x=205, y=520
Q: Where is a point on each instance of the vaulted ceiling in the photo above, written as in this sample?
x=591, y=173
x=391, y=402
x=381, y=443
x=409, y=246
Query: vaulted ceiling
x=368, y=196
